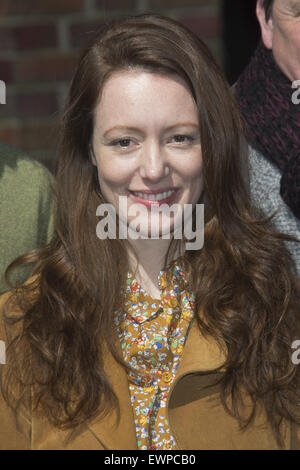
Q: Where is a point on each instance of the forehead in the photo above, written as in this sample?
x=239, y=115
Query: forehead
x=286, y=3
x=139, y=94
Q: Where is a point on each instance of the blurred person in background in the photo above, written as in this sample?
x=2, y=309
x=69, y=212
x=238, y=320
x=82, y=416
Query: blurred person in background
x=264, y=92
x=26, y=219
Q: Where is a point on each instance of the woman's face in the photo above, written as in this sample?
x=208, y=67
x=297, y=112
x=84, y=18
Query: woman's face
x=146, y=144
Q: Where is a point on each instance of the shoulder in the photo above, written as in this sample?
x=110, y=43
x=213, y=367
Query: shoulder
x=14, y=306
x=265, y=191
x=262, y=171
x=15, y=428
x=17, y=165
x=11, y=308
x=26, y=219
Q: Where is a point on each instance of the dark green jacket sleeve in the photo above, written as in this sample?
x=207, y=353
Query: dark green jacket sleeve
x=26, y=206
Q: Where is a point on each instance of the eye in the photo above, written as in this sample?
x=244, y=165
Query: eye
x=122, y=143
x=296, y=9
x=182, y=139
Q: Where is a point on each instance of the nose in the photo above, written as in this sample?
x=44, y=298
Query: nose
x=153, y=163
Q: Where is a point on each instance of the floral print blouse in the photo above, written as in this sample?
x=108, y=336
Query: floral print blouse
x=152, y=333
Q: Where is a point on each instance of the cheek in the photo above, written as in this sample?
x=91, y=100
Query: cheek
x=296, y=40
x=113, y=173
x=191, y=169
x=288, y=34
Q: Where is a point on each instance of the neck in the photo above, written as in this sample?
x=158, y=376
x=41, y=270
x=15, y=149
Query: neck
x=147, y=259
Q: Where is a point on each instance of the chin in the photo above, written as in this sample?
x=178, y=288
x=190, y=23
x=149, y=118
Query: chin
x=163, y=230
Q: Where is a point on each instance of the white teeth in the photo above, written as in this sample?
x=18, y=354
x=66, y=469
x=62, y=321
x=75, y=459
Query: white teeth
x=154, y=197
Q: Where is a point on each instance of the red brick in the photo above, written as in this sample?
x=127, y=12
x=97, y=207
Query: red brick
x=181, y=3
x=29, y=137
x=37, y=36
x=37, y=7
x=81, y=33
x=204, y=27
x=8, y=110
x=36, y=104
x=6, y=71
x=52, y=66
x=117, y=4
x=7, y=38
x=5, y=111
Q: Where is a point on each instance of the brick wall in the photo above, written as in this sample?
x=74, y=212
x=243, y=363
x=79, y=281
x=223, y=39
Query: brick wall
x=39, y=45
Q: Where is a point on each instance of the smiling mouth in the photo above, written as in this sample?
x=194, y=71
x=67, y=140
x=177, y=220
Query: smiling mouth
x=154, y=196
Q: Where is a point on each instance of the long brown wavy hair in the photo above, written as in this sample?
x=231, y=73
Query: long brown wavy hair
x=242, y=278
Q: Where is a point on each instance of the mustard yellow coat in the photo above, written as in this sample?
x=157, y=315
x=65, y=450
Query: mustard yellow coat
x=196, y=416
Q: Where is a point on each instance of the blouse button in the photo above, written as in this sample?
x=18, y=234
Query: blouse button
x=172, y=302
x=167, y=445
x=167, y=377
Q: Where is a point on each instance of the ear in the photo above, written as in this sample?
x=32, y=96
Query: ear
x=266, y=27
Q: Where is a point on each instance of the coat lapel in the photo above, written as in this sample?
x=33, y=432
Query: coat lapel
x=200, y=354
x=112, y=434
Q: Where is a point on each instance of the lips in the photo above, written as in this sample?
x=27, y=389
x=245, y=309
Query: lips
x=155, y=197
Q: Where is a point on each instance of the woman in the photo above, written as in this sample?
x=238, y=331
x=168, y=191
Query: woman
x=132, y=343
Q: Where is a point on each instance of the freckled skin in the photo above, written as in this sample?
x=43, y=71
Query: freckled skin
x=135, y=139
x=282, y=34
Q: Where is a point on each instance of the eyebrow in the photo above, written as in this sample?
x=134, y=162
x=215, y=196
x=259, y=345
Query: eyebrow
x=136, y=129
